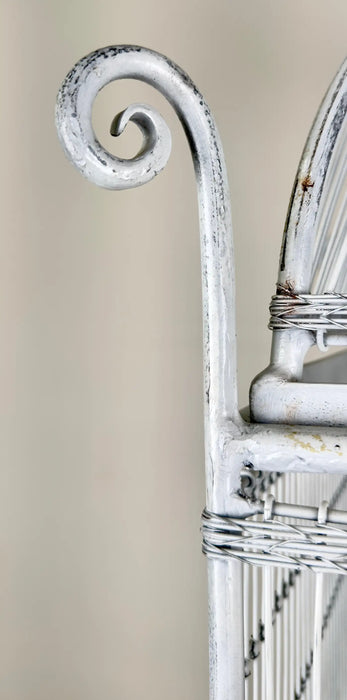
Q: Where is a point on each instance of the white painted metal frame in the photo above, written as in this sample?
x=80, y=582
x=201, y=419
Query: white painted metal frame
x=231, y=443
x=311, y=263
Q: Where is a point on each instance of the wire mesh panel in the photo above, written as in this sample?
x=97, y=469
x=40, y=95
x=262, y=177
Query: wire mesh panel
x=295, y=594
x=281, y=610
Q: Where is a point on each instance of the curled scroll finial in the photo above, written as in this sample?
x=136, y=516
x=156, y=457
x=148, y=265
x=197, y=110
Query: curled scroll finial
x=74, y=122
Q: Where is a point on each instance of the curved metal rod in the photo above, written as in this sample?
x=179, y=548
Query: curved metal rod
x=74, y=123
x=312, y=256
x=300, y=232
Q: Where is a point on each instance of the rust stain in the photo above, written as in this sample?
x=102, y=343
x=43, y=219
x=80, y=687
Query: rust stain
x=286, y=289
x=300, y=443
x=306, y=183
x=308, y=446
x=323, y=447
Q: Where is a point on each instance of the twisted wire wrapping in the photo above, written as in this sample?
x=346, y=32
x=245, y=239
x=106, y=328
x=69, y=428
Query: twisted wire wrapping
x=317, y=547
x=313, y=312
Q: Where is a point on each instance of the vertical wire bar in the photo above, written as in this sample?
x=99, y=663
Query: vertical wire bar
x=328, y=665
x=331, y=645
x=263, y=656
x=332, y=664
x=301, y=581
x=291, y=601
x=313, y=495
x=285, y=633
x=285, y=628
x=329, y=484
x=332, y=622
x=255, y=627
x=310, y=494
x=279, y=637
x=342, y=646
x=312, y=629
x=297, y=621
x=336, y=645
x=317, y=643
x=246, y=615
x=269, y=656
x=335, y=650
x=343, y=683
x=341, y=641
x=304, y=625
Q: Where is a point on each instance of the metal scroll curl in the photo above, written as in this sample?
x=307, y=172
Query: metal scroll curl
x=74, y=123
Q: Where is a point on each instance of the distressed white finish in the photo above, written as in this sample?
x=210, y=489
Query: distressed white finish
x=231, y=443
x=75, y=129
x=313, y=261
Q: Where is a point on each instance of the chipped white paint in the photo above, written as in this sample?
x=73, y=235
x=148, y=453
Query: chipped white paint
x=73, y=116
x=313, y=261
x=230, y=442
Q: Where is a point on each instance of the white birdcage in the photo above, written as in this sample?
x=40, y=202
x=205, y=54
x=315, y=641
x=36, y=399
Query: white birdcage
x=275, y=524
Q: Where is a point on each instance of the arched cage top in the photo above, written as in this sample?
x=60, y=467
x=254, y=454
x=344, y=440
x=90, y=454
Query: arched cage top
x=313, y=253
x=329, y=269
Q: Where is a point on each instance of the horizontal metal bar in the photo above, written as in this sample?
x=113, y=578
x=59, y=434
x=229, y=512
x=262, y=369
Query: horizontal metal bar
x=289, y=510
x=286, y=448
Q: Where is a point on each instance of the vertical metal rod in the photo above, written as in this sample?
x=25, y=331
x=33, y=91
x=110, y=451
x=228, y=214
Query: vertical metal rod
x=285, y=634
x=291, y=602
x=247, y=618
x=269, y=654
x=317, y=644
x=74, y=122
x=281, y=644
x=226, y=630
x=263, y=656
x=255, y=627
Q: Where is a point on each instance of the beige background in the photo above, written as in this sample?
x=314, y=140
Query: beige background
x=103, y=591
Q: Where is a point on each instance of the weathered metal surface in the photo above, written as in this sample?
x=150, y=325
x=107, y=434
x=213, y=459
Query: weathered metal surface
x=73, y=117
x=313, y=262
x=297, y=259
x=231, y=443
